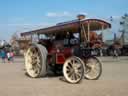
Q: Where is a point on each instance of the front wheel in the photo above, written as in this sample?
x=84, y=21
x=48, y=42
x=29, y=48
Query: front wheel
x=73, y=70
x=93, y=68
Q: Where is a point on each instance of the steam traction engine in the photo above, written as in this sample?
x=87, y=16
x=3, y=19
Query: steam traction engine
x=65, y=47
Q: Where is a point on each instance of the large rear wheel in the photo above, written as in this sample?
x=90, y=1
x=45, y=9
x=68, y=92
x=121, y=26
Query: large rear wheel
x=93, y=68
x=35, y=60
x=73, y=70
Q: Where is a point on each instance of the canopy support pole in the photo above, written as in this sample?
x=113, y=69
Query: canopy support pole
x=102, y=32
x=85, y=35
x=88, y=32
x=31, y=37
x=38, y=36
x=102, y=28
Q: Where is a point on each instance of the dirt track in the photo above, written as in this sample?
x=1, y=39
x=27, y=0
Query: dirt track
x=113, y=81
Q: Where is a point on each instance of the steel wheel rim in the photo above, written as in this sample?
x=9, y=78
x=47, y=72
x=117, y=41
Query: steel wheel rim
x=33, y=62
x=93, y=68
x=73, y=70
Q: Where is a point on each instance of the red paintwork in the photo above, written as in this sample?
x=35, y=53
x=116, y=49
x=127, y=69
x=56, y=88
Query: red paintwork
x=61, y=55
x=60, y=58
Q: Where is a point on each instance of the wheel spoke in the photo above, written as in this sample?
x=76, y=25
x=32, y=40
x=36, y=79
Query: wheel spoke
x=70, y=73
x=37, y=70
x=30, y=54
x=70, y=65
x=78, y=66
x=73, y=76
x=78, y=75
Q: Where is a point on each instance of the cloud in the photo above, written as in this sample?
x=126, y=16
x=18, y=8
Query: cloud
x=116, y=17
x=64, y=14
x=84, y=13
x=58, y=14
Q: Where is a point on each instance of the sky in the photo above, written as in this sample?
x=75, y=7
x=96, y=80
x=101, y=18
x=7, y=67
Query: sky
x=25, y=15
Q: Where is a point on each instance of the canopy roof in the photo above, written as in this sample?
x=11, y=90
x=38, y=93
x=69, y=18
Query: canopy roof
x=94, y=24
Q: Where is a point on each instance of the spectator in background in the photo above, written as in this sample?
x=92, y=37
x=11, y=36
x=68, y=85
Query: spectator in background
x=3, y=55
x=10, y=56
x=0, y=54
